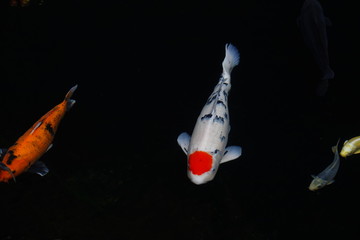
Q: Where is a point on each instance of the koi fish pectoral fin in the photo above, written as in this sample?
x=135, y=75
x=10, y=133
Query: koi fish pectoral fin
x=330, y=182
x=49, y=147
x=184, y=141
x=231, y=153
x=39, y=168
x=2, y=152
x=357, y=152
x=6, y=168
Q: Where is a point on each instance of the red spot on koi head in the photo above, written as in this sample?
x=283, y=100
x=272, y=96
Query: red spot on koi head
x=200, y=162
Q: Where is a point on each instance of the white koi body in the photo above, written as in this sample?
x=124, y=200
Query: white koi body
x=206, y=147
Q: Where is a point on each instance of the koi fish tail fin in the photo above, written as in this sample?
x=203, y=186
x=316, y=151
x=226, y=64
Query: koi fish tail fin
x=70, y=102
x=232, y=58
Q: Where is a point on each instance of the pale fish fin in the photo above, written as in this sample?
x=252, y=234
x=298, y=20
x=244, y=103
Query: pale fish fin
x=231, y=153
x=330, y=182
x=313, y=176
x=184, y=141
x=232, y=58
x=6, y=168
x=70, y=102
x=39, y=168
x=334, y=148
x=2, y=152
x=49, y=147
x=357, y=152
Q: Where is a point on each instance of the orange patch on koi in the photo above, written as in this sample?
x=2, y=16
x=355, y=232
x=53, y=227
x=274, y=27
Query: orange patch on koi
x=200, y=162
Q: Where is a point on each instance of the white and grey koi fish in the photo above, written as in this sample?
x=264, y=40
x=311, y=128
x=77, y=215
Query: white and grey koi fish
x=206, y=148
x=312, y=23
x=327, y=176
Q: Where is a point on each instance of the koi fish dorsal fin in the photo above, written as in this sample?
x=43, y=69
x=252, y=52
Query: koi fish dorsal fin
x=231, y=153
x=70, y=102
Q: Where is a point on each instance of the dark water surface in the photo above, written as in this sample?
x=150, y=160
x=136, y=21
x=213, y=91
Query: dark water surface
x=145, y=70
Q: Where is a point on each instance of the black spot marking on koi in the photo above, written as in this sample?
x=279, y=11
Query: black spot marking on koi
x=50, y=129
x=211, y=99
x=11, y=157
x=185, y=150
x=219, y=119
x=226, y=116
x=222, y=103
x=207, y=116
x=222, y=138
x=225, y=95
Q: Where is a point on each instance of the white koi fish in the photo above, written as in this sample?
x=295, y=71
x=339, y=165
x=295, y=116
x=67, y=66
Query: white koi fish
x=312, y=23
x=205, y=149
x=327, y=176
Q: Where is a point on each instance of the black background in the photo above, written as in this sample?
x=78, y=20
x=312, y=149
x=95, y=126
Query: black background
x=145, y=70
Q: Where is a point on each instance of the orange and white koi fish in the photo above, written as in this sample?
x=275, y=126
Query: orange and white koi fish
x=24, y=154
x=206, y=148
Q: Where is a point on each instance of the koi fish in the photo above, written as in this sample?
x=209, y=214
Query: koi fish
x=24, y=154
x=205, y=149
x=351, y=147
x=21, y=3
x=327, y=176
x=312, y=23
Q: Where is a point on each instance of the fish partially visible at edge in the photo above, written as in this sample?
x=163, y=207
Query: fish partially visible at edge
x=351, y=147
x=24, y=154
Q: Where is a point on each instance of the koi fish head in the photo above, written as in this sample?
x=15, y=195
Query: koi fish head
x=201, y=167
x=348, y=149
x=317, y=183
